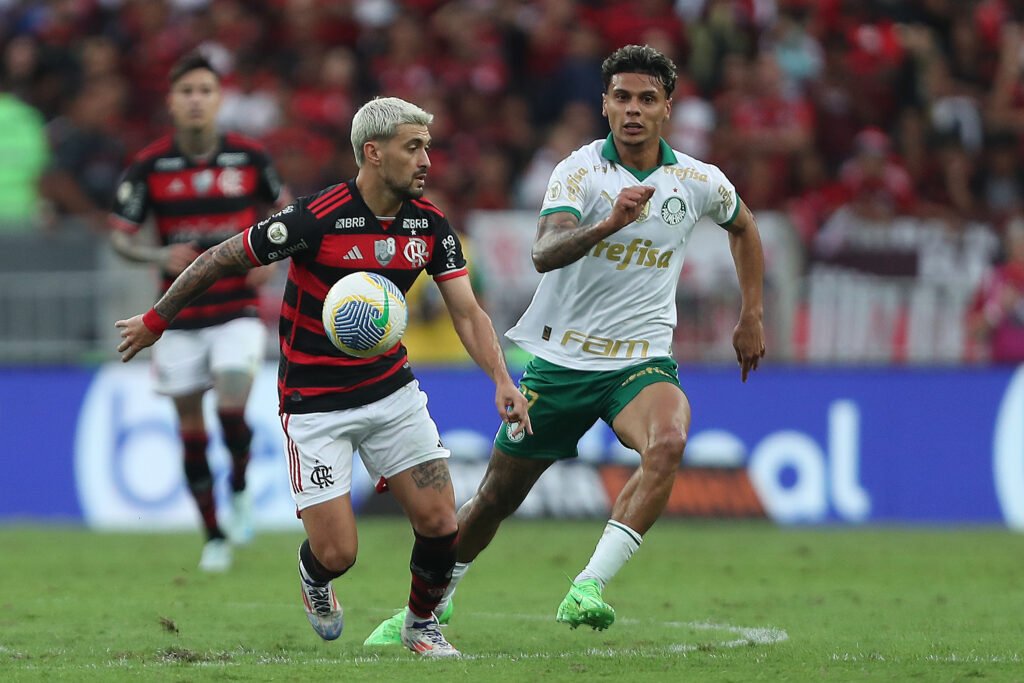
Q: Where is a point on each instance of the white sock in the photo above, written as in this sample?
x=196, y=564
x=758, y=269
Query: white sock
x=458, y=572
x=411, y=617
x=616, y=546
x=305, y=577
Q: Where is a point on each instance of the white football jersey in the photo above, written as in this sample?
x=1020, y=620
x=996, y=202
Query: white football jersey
x=616, y=306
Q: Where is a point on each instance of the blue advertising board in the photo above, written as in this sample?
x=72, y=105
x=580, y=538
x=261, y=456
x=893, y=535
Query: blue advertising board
x=820, y=445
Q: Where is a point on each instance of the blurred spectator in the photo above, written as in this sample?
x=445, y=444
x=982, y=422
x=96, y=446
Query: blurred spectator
x=21, y=67
x=816, y=196
x=953, y=110
x=573, y=130
x=1000, y=181
x=491, y=182
x=996, y=317
x=626, y=21
x=155, y=44
x=876, y=180
x=405, y=70
x=301, y=155
x=87, y=156
x=578, y=79
x=722, y=34
x=1005, y=106
x=693, y=121
x=797, y=52
x=326, y=103
x=769, y=128
x=100, y=58
x=836, y=112
x=23, y=156
x=945, y=189
x=250, y=104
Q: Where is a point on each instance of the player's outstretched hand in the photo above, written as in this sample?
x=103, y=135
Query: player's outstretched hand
x=513, y=408
x=748, y=340
x=630, y=204
x=136, y=337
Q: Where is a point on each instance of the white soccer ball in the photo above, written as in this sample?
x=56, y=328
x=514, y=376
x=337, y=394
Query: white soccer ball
x=364, y=314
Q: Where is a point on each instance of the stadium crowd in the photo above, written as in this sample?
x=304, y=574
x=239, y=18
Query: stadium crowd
x=882, y=108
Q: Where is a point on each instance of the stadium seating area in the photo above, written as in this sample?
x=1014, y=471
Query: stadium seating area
x=874, y=128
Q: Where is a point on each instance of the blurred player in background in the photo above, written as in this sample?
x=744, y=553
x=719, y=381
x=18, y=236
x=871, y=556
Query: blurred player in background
x=610, y=241
x=333, y=404
x=203, y=187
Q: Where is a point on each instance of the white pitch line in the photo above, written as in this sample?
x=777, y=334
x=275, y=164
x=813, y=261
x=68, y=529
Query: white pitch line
x=748, y=635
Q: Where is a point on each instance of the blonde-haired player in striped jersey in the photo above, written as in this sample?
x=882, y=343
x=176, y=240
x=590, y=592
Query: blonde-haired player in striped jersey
x=610, y=241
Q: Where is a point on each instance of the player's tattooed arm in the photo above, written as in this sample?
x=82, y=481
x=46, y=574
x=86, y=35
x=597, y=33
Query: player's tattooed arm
x=431, y=474
x=226, y=258
x=561, y=240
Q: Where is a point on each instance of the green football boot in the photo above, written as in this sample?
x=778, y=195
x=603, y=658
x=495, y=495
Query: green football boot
x=583, y=605
x=389, y=631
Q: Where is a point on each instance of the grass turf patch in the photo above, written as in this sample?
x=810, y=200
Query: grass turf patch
x=702, y=601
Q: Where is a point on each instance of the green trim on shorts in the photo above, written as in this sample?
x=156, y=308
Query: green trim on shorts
x=565, y=403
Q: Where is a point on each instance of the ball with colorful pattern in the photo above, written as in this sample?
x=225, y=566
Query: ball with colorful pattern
x=364, y=314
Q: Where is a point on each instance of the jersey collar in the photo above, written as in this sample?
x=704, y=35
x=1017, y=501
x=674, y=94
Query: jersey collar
x=609, y=152
x=385, y=225
x=208, y=160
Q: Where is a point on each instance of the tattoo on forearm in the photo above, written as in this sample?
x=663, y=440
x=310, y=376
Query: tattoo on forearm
x=227, y=258
x=562, y=241
x=432, y=474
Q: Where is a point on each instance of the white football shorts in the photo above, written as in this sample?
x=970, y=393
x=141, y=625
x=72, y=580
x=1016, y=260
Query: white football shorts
x=185, y=361
x=391, y=435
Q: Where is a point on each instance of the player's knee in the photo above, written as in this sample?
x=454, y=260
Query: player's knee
x=337, y=557
x=440, y=521
x=335, y=554
x=665, y=453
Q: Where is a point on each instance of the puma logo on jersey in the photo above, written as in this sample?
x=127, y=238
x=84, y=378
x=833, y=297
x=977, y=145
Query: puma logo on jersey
x=644, y=212
x=353, y=255
x=623, y=254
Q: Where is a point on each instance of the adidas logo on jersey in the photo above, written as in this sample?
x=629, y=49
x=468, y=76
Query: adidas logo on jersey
x=353, y=254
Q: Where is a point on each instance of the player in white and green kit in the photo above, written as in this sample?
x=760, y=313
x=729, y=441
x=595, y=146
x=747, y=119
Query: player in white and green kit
x=611, y=239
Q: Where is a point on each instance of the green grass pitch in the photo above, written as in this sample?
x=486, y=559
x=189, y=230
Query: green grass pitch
x=699, y=601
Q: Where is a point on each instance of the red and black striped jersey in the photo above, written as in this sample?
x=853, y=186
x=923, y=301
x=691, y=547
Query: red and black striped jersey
x=327, y=236
x=204, y=202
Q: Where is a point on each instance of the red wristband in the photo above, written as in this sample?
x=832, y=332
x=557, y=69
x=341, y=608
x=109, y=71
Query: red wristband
x=154, y=322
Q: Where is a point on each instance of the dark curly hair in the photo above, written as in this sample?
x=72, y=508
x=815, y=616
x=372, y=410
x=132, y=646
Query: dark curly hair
x=640, y=59
x=190, y=62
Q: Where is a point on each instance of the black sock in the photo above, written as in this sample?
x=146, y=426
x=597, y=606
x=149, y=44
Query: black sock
x=316, y=571
x=237, y=438
x=432, y=562
x=200, y=481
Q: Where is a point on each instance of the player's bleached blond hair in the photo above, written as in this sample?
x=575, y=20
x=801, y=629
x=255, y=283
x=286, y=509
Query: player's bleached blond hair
x=380, y=118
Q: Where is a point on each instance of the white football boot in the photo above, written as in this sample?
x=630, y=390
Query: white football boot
x=322, y=608
x=241, y=518
x=424, y=638
x=216, y=556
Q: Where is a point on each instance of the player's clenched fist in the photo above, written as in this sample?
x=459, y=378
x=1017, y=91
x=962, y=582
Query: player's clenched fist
x=630, y=204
